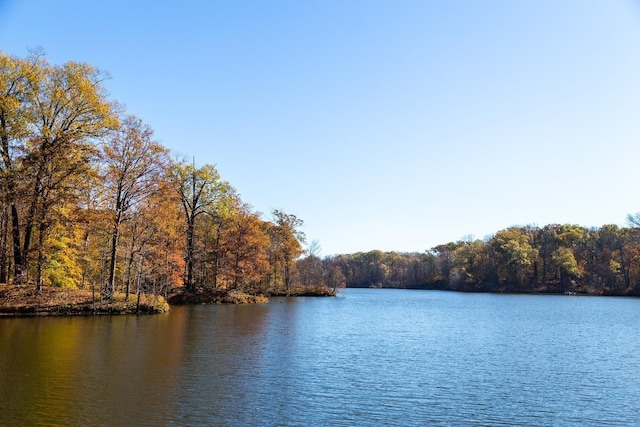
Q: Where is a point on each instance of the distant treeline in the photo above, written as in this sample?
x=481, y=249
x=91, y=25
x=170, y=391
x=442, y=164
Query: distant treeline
x=552, y=259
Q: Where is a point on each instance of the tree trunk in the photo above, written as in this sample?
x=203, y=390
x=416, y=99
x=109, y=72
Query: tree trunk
x=625, y=271
x=40, y=260
x=28, y=228
x=42, y=234
x=216, y=257
x=85, y=257
x=112, y=254
x=132, y=253
x=17, y=253
x=188, y=282
x=287, y=272
x=4, y=258
x=129, y=268
x=11, y=197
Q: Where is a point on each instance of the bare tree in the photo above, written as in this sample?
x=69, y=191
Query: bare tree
x=133, y=163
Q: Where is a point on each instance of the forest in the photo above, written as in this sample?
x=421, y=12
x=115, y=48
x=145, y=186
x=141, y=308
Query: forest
x=524, y=259
x=91, y=199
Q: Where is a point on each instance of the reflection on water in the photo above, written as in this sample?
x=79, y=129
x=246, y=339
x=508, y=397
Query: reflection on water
x=88, y=370
x=368, y=357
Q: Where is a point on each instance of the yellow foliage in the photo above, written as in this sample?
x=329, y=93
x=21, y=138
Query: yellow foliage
x=615, y=266
x=62, y=268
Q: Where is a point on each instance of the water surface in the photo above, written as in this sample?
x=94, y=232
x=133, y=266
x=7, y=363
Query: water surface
x=367, y=357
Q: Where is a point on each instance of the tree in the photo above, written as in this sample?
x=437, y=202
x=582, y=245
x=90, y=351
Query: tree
x=336, y=278
x=516, y=255
x=286, y=245
x=201, y=190
x=445, y=260
x=63, y=266
x=61, y=181
x=245, y=247
x=62, y=108
x=154, y=256
x=565, y=262
x=311, y=268
x=92, y=223
x=473, y=264
x=17, y=77
x=614, y=242
x=133, y=164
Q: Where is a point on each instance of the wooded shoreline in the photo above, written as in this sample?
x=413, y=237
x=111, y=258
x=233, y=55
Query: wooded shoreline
x=581, y=291
x=26, y=300
x=89, y=198
x=554, y=259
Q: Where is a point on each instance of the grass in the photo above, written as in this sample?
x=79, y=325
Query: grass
x=23, y=300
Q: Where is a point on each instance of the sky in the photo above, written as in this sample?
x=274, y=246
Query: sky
x=395, y=125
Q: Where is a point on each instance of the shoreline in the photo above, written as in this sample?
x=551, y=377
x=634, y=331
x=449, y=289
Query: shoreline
x=24, y=301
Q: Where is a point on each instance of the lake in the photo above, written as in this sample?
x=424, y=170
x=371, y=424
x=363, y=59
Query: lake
x=368, y=357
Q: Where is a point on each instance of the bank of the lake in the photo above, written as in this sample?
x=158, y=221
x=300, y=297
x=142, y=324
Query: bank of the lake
x=305, y=291
x=26, y=300
x=180, y=296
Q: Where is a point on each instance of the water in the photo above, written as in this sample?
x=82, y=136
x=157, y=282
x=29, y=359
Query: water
x=367, y=357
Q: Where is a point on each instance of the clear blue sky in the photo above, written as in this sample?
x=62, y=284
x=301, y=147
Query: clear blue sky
x=392, y=125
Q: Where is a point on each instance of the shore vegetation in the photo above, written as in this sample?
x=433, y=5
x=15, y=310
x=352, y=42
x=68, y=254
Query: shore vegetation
x=91, y=202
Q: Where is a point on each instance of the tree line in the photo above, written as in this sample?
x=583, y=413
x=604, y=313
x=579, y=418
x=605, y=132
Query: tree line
x=90, y=198
x=555, y=259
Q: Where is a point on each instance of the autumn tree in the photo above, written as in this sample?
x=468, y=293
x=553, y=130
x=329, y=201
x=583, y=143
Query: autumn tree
x=153, y=256
x=515, y=255
x=51, y=115
x=613, y=244
x=150, y=252
x=140, y=230
x=473, y=264
x=201, y=191
x=336, y=278
x=213, y=248
x=93, y=222
x=17, y=78
x=133, y=164
x=547, y=243
x=4, y=243
x=311, y=268
x=61, y=180
x=286, y=245
x=245, y=244
x=445, y=259
x=62, y=266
